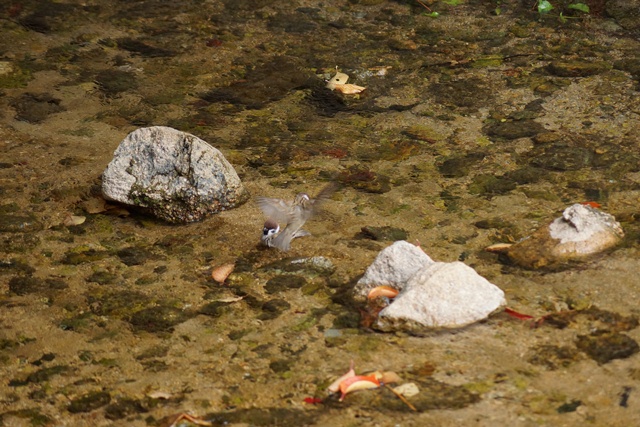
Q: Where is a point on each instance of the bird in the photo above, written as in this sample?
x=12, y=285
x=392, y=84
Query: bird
x=292, y=215
x=271, y=230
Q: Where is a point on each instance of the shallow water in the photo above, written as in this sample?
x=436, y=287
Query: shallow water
x=480, y=129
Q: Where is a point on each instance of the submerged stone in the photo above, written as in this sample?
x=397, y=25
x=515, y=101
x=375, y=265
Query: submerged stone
x=263, y=84
x=215, y=309
x=578, y=68
x=174, y=175
x=273, y=308
x=604, y=347
x=114, y=82
x=284, y=282
x=457, y=167
x=515, y=130
x=124, y=407
x=264, y=417
x=157, y=319
x=102, y=277
x=490, y=185
x=19, y=223
x=36, y=108
x=561, y=157
x=83, y=255
x=23, y=285
x=134, y=255
x=89, y=402
x=387, y=233
x=42, y=375
x=362, y=178
x=554, y=357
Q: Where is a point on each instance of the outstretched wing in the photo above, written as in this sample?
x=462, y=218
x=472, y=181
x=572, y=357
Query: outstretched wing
x=324, y=195
x=275, y=209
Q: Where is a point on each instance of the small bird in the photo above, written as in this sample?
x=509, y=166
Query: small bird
x=271, y=230
x=294, y=214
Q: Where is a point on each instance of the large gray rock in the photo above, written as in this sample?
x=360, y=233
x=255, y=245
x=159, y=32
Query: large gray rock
x=174, y=175
x=393, y=267
x=441, y=295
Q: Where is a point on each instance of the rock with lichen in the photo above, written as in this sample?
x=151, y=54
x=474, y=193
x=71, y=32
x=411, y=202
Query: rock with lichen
x=173, y=175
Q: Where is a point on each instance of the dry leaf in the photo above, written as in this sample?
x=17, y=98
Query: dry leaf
x=498, y=248
x=94, y=205
x=220, y=273
x=229, y=299
x=389, y=377
x=407, y=389
x=338, y=79
x=159, y=395
x=339, y=83
x=117, y=211
x=74, y=220
x=381, y=70
x=348, y=89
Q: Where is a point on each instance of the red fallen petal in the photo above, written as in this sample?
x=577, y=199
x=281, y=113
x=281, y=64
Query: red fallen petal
x=592, y=204
x=359, y=382
x=516, y=314
x=312, y=400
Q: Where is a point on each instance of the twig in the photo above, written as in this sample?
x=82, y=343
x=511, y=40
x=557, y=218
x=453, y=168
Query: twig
x=424, y=5
x=401, y=397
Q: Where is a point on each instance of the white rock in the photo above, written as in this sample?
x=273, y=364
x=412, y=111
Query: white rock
x=442, y=295
x=585, y=230
x=175, y=175
x=393, y=267
x=581, y=231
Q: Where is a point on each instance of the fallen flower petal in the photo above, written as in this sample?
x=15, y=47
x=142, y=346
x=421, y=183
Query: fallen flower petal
x=335, y=386
x=592, y=204
x=385, y=291
x=359, y=382
x=517, y=315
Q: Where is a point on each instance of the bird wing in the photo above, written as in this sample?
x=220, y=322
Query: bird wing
x=276, y=209
x=324, y=195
